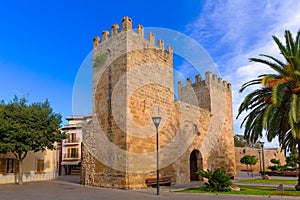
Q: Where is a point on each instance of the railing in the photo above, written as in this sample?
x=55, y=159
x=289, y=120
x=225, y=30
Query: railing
x=71, y=156
x=77, y=140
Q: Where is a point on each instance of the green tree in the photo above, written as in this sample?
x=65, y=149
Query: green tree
x=249, y=160
x=25, y=128
x=292, y=160
x=275, y=105
x=240, y=141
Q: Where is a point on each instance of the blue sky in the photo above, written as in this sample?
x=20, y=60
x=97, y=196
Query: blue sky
x=43, y=44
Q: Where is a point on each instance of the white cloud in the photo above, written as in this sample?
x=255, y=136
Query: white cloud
x=232, y=31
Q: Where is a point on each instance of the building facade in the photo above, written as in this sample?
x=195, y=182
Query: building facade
x=38, y=166
x=133, y=82
x=71, y=147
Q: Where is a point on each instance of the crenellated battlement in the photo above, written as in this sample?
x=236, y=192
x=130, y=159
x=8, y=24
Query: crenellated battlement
x=210, y=80
x=202, y=92
x=214, y=80
x=126, y=27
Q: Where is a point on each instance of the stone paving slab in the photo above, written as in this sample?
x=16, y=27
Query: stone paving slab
x=61, y=190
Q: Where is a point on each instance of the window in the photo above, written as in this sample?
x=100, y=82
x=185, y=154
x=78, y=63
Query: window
x=10, y=165
x=72, y=137
x=73, y=153
x=40, y=165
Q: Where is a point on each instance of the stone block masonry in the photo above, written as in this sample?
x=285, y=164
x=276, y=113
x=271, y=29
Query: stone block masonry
x=133, y=81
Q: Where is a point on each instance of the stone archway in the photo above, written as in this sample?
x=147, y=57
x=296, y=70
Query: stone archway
x=196, y=163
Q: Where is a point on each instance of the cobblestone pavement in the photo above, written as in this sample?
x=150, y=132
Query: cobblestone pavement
x=67, y=188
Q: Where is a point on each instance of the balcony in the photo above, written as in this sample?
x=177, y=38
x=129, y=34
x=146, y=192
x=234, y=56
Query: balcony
x=71, y=157
x=72, y=141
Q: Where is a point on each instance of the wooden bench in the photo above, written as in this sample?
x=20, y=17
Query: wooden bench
x=165, y=180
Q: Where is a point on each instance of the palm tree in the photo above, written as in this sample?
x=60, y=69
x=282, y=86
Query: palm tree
x=275, y=106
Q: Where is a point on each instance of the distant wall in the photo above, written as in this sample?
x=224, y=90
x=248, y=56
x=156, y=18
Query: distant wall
x=268, y=155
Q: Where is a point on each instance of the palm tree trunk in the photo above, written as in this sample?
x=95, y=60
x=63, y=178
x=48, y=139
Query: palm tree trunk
x=298, y=185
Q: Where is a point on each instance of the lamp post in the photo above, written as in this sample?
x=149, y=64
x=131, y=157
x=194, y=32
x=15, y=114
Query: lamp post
x=156, y=121
x=263, y=157
x=260, y=170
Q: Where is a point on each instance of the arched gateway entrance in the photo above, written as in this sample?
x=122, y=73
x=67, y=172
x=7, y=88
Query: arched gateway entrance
x=195, y=164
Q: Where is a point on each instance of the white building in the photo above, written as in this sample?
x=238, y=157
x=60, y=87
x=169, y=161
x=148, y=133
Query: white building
x=71, y=147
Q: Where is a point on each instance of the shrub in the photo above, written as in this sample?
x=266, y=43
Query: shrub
x=277, y=166
x=273, y=168
x=275, y=162
x=217, y=180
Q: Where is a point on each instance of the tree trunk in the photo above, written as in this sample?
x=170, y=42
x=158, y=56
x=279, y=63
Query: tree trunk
x=298, y=185
x=247, y=170
x=20, y=175
x=20, y=158
x=251, y=171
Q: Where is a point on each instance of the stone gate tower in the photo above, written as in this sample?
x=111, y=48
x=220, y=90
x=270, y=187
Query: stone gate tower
x=133, y=81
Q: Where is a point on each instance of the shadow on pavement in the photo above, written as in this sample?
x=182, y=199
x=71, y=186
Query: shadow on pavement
x=69, y=178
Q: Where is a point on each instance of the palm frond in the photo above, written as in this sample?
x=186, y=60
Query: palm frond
x=266, y=116
x=294, y=127
x=251, y=115
x=293, y=62
x=250, y=83
x=278, y=93
x=281, y=47
x=297, y=73
x=253, y=99
x=253, y=127
x=289, y=44
x=272, y=65
x=288, y=142
x=295, y=108
x=266, y=79
x=277, y=124
x=297, y=41
x=275, y=59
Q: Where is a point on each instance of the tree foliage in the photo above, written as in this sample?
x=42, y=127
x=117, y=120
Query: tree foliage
x=276, y=165
x=249, y=160
x=275, y=161
x=274, y=107
x=292, y=160
x=25, y=128
x=240, y=141
x=218, y=180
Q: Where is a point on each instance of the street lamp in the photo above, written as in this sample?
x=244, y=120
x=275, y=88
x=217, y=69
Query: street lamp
x=156, y=121
x=260, y=170
x=263, y=157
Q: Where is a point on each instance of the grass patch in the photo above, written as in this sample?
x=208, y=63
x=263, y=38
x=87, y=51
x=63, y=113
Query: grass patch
x=269, y=181
x=249, y=190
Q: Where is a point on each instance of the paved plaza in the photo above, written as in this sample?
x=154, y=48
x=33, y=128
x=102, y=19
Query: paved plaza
x=67, y=188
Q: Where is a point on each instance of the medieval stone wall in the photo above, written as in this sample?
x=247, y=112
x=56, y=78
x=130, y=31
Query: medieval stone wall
x=132, y=82
x=269, y=154
x=214, y=95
